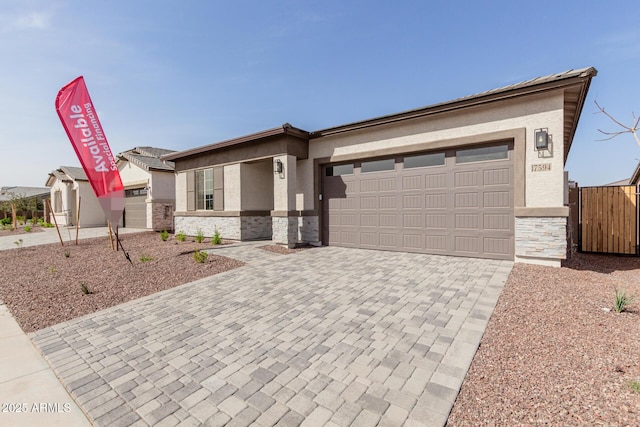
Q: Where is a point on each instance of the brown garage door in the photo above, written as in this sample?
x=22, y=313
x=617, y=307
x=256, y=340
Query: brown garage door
x=135, y=208
x=455, y=202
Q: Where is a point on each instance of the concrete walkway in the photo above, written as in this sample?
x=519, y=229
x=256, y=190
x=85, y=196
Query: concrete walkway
x=328, y=336
x=50, y=235
x=30, y=392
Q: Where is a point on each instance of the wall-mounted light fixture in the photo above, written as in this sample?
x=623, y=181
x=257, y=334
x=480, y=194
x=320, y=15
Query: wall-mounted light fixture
x=542, y=139
x=278, y=166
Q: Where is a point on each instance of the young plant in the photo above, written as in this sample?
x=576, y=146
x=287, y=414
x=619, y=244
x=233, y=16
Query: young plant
x=85, y=289
x=200, y=256
x=48, y=225
x=216, y=239
x=18, y=243
x=181, y=237
x=67, y=254
x=27, y=228
x=635, y=386
x=52, y=270
x=164, y=235
x=145, y=258
x=199, y=236
x=623, y=300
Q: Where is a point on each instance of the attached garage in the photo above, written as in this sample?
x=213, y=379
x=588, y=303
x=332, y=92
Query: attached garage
x=135, y=208
x=450, y=202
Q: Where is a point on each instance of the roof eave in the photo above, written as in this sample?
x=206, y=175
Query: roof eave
x=280, y=130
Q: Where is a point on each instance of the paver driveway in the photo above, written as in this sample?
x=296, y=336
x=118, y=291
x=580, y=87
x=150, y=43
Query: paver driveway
x=328, y=336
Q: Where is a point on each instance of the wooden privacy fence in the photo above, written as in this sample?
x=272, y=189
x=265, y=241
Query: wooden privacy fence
x=609, y=219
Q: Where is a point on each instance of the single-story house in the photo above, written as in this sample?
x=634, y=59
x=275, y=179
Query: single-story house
x=479, y=176
x=149, y=188
x=71, y=189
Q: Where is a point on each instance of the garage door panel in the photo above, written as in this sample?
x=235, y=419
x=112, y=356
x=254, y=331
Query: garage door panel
x=469, y=221
x=135, y=210
x=369, y=186
x=435, y=201
x=466, y=200
x=466, y=179
x=436, y=181
x=369, y=202
x=435, y=220
x=497, y=221
x=412, y=220
x=369, y=220
x=497, y=199
x=435, y=243
x=469, y=244
x=387, y=202
x=388, y=241
x=369, y=239
x=388, y=220
x=412, y=201
x=497, y=246
x=412, y=182
x=387, y=184
x=497, y=177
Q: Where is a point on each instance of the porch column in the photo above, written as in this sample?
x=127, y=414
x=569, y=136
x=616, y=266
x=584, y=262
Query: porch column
x=284, y=221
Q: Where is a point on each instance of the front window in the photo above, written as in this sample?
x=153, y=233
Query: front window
x=204, y=189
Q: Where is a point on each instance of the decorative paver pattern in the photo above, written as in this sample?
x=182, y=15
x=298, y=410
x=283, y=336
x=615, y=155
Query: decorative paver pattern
x=331, y=336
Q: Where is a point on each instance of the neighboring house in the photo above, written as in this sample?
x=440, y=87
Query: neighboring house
x=149, y=188
x=635, y=178
x=37, y=194
x=480, y=176
x=70, y=188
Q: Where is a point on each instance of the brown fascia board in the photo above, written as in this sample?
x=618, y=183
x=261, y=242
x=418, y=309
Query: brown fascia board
x=280, y=130
x=636, y=176
x=584, y=89
x=516, y=90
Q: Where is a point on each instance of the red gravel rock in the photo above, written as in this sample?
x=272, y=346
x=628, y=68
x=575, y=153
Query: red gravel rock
x=42, y=287
x=551, y=355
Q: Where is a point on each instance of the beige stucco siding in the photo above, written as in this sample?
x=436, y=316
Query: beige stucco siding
x=181, y=191
x=163, y=186
x=542, y=189
x=132, y=174
x=232, y=185
x=91, y=213
x=257, y=185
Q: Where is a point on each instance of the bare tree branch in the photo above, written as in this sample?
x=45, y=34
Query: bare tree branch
x=632, y=130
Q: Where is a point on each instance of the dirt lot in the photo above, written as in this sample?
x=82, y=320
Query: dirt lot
x=42, y=286
x=553, y=355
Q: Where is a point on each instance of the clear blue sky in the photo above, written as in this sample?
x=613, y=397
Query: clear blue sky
x=180, y=74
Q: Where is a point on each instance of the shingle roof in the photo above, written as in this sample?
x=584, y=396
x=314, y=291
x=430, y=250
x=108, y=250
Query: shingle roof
x=74, y=172
x=148, y=158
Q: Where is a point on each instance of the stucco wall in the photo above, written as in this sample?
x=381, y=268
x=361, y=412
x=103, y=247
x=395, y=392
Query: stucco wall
x=257, y=185
x=163, y=186
x=91, y=214
x=181, y=191
x=130, y=174
x=232, y=185
x=542, y=189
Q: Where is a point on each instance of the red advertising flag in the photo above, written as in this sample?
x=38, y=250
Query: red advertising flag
x=80, y=120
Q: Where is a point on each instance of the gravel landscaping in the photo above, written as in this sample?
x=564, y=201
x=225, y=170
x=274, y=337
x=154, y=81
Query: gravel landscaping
x=42, y=286
x=553, y=353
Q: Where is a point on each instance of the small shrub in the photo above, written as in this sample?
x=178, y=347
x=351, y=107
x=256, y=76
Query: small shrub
x=5, y=221
x=164, y=235
x=52, y=270
x=18, y=243
x=4, y=227
x=48, y=225
x=85, y=289
x=635, y=385
x=67, y=254
x=145, y=258
x=623, y=300
x=200, y=256
x=216, y=239
x=181, y=237
x=34, y=221
x=27, y=228
x=199, y=236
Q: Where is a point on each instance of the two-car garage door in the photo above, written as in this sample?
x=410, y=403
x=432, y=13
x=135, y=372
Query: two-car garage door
x=452, y=202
